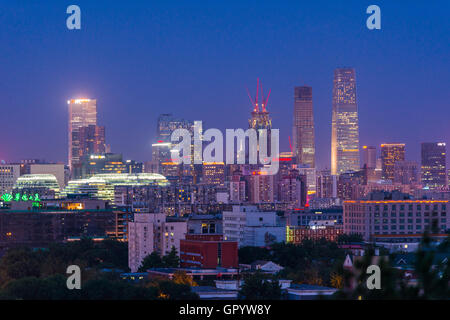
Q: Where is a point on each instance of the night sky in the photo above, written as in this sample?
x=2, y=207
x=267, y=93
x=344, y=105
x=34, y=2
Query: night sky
x=196, y=58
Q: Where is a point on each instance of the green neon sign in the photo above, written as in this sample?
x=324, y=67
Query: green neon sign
x=8, y=197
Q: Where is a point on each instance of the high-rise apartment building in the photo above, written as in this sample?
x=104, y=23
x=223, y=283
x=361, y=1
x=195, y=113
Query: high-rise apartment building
x=261, y=188
x=151, y=232
x=344, y=127
x=390, y=154
x=303, y=129
x=434, y=165
x=82, y=113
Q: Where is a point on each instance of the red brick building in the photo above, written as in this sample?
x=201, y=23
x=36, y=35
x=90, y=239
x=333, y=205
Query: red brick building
x=208, y=251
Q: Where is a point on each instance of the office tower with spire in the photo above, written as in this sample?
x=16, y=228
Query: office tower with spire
x=260, y=118
x=344, y=127
x=303, y=127
x=82, y=113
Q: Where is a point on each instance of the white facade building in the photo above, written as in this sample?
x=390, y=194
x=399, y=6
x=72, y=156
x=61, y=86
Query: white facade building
x=150, y=232
x=251, y=227
x=55, y=169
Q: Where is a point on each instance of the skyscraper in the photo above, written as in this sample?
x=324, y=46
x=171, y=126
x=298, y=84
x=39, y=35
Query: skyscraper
x=259, y=119
x=303, y=129
x=161, y=149
x=344, y=126
x=434, y=165
x=369, y=155
x=92, y=140
x=82, y=113
x=390, y=154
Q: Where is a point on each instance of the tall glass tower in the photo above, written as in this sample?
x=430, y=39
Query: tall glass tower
x=344, y=126
x=434, y=165
x=303, y=131
x=82, y=113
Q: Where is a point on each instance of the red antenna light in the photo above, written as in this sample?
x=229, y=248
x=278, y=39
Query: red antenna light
x=254, y=102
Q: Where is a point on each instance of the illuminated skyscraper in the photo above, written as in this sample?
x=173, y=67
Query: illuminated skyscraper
x=303, y=131
x=390, y=154
x=82, y=113
x=161, y=149
x=434, y=165
x=344, y=127
x=92, y=140
x=214, y=173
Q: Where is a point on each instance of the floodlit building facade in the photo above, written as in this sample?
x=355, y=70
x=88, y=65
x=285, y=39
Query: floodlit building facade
x=390, y=154
x=434, y=165
x=344, y=126
x=82, y=113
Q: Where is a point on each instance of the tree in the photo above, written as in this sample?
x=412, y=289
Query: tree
x=153, y=260
x=349, y=238
x=337, y=280
x=259, y=287
x=32, y=288
x=171, y=260
x=248, y=255
x=432, y=278
x=180, y=277
x=19, y=263
x=174, y=291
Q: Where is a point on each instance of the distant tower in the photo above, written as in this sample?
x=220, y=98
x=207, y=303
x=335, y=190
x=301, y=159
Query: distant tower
x=260, y=118
x=82, y=113
x=390, y=154
x=369, y=155
x=434, y=165
x=344, y=127
x=303, y=129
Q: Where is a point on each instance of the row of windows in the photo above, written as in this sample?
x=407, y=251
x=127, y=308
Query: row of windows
x=410, y=207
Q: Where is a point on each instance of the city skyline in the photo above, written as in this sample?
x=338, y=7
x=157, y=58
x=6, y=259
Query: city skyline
x=391, y=81
x=242, y=152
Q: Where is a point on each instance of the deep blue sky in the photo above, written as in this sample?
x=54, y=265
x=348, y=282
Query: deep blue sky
x=195, y=59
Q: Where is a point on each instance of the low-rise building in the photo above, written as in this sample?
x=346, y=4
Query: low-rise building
x=372, y=218
x=251, y=227
x=208, y=251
